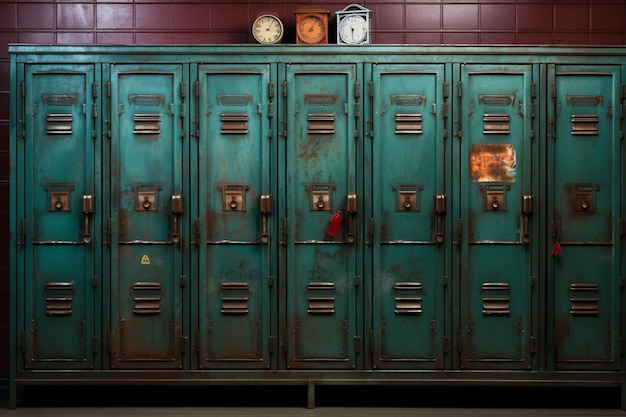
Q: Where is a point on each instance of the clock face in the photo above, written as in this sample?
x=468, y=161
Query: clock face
x=353, y=29
x=267, y=29
x=311, y=29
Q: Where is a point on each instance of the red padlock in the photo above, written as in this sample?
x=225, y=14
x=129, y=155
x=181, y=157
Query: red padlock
x=556, y=248
x=334, y=224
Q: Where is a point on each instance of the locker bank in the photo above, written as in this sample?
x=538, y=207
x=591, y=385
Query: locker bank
x=317, y=215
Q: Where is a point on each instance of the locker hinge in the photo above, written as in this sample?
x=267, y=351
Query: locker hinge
x=357, y=344
x=183, y=281
x=459, y=231
x=370, y=232
x=22, y=233
x=107, y=233
x=622, y=89
x=533, y=281
x=621, y=111
x=446, y=344
x=446, y=89
x=271, y=344
x=533, y=90
x=445, y=281
x=270, y=92
x=532, y=110
x=183, y=90
x=195, y=232
x=283, y=231
x=270, y=281
x=283, y=121
x=183, y=343
x=94, y=281
x=533, y=344
x=94, y=345
x=357, y=281
x=94, y=90
x=459, y=120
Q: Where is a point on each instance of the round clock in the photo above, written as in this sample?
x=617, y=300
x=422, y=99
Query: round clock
x=268, y=29
x=311, y=29
x=353, y=29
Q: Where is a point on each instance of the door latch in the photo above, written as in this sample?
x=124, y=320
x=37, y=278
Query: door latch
x=89, y=207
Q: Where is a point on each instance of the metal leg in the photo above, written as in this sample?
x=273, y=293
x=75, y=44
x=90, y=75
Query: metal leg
x=311, y=395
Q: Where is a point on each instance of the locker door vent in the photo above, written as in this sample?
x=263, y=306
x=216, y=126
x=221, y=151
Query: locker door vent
x=321, y=124
x=59, y=296
x=584, y=297
x=59, y=123
x=235, y=296
x=408, y=297
x=496, y=124
x=496, y=298
x=408, y=123
x=234, y=123
x=585, y=124
x=147, y=297
x=321, y=296
x=147, y=124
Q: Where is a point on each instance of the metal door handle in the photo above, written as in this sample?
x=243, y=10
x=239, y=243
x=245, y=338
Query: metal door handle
x=351, y=209
x=88, y=209
x=177, y=209
x=440, y=209
x=266, y=209
x=527, y=209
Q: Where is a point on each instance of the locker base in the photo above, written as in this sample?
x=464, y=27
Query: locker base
x=310, y=380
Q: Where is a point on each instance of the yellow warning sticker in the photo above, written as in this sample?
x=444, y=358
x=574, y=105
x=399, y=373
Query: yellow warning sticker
x=145, y=260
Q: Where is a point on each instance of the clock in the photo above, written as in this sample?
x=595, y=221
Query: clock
x=268, y=29
x=353, y=25
x=312, y=25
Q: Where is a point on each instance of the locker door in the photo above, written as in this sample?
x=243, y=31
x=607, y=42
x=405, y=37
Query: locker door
x=584, y=190
x=497, y=238
x=409, y=204
x=147, y=216
x=60, y=273
x=235, y=169
x=320, y=183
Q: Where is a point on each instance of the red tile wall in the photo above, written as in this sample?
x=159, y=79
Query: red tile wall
x=559, y=22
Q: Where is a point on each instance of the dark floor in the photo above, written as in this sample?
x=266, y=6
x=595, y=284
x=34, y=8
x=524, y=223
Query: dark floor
x=334, y=401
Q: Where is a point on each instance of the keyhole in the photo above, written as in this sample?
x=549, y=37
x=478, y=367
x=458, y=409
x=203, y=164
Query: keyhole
x=584, y=204
x=146, y=203
x=233, y=203
x=320, y=203
x=58, y=205
x=494, y=203
x=407, y=203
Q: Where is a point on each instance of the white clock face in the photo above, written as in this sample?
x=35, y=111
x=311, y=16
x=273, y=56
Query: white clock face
x=267, y=29
x=353, y=29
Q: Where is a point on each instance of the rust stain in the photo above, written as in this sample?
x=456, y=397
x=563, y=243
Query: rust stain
x=493, y=162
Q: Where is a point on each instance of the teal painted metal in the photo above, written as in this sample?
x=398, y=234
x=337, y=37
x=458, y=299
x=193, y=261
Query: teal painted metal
x=234, y=228
x=497, y=244
x=321, y=113
x=584, y=190
x=60, y=239
x=147, y=208
x=409, y=228
x=180, y=285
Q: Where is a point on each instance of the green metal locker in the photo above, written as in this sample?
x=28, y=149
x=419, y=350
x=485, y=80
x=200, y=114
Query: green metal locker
x=497, y=237
x=320, y=187
x=584, y=162
x=59, y=238
x=148, y=214
x=236, y=165
x=409, y=162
